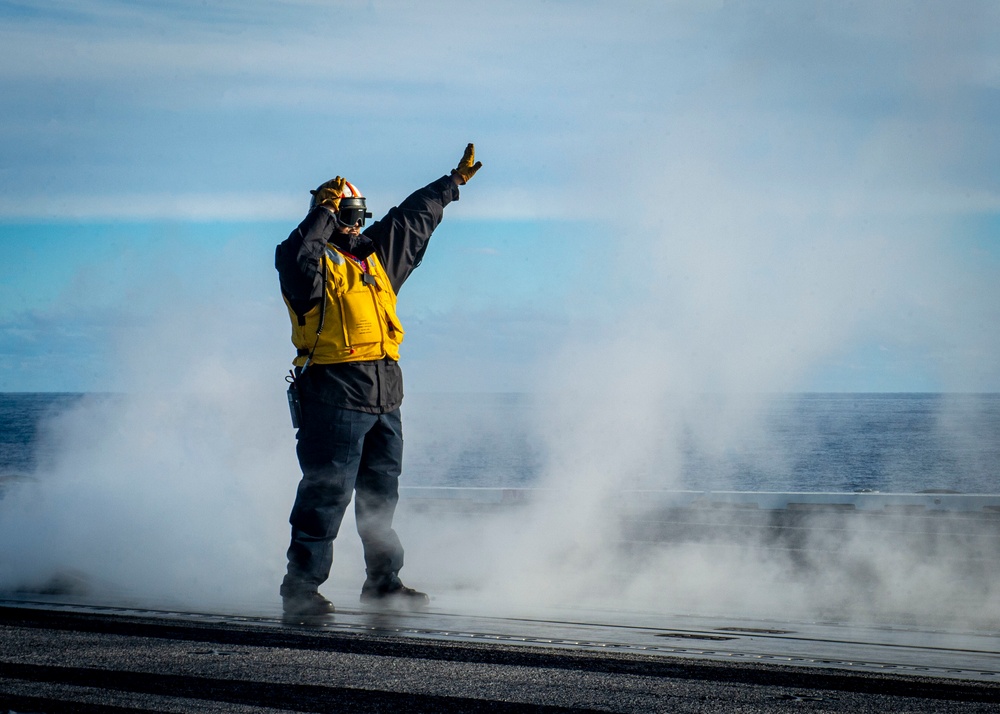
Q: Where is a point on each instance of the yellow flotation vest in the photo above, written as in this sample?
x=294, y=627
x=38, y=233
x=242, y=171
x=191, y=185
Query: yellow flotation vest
x=356, y=320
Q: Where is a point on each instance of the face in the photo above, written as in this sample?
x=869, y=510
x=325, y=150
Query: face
x=350, y=230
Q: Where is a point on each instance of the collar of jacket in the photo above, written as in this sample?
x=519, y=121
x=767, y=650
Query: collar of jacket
x=359, y=246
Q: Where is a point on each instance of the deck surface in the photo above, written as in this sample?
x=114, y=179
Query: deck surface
x=58, y=655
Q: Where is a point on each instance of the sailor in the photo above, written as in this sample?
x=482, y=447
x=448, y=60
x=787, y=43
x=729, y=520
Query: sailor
x=339, y=281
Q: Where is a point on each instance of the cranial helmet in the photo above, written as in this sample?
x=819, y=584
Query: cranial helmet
x=343, y=197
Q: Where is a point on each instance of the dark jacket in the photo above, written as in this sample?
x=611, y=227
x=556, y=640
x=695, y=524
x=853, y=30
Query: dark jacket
x=399, y=240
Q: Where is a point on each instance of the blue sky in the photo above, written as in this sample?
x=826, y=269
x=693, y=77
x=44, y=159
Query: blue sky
x=746, y=196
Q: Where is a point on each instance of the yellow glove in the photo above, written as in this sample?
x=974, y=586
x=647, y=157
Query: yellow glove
x=466, y=168
x=329, y=194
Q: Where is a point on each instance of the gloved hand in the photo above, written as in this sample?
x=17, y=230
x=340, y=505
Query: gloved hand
x=330, y=193
x=466, y=168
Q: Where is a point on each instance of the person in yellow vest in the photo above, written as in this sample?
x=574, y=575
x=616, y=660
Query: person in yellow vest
x=339, y=281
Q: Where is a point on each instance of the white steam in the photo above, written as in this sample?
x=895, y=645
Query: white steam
x=717, y=298
x=176, y=492
x=175, y=489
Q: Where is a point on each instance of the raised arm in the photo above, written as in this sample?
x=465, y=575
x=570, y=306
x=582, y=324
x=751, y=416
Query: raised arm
x=400, y=238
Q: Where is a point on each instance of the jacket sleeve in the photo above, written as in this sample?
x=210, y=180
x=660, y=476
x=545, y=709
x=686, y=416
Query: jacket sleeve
x=400, y=238
x=297, y=260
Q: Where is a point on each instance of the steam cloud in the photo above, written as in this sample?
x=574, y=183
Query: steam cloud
x=717, y=298
x=179, y=496
x=170, y=490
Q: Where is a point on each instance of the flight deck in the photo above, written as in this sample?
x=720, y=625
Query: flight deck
x=69, y=651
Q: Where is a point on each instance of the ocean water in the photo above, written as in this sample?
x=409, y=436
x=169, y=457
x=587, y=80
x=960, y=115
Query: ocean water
x=21, y=416
x=903, y=443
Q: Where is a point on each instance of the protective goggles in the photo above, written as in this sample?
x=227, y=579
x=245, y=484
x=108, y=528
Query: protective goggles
x=353, y=210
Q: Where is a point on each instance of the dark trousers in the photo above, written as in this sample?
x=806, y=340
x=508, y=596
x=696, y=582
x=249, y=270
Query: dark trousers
x=343, y=452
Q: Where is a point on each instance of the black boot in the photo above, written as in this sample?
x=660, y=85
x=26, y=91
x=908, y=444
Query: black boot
x=395, y=596
x=306, y=604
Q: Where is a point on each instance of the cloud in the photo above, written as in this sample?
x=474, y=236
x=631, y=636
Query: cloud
x=231, y=206
x=185, y=99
